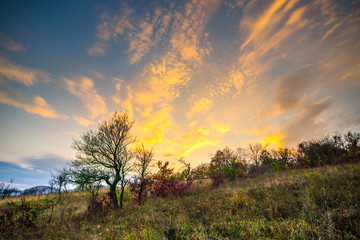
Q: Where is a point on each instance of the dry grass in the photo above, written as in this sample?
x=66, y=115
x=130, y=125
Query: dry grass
x=296, y=204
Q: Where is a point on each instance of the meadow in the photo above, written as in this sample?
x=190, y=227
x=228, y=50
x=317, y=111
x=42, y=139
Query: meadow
x=314, y=203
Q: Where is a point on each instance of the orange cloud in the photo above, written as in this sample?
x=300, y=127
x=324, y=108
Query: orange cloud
x=200, y=105
x=83, y=87
x=83, y=121
x=192, y=140
x=258, y=130
x=141, y=42
x=16, y=73
x=37, y=106
x=222, y=128
x=152, y=129
x=264, y=21
x=273, y=141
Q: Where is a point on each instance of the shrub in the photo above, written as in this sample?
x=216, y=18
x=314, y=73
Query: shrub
x=217, y=178
x=135, y=186
x=240, y=200
x=165, y=183
x=20, y=215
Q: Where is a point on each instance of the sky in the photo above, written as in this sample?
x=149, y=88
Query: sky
x=196, y=76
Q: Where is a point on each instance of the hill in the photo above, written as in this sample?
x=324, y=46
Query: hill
x=312, y=203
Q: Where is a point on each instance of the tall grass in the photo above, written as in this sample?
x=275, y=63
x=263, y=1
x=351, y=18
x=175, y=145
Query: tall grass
x=297, y=204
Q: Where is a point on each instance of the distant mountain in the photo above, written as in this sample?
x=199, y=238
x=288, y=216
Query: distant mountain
x=37, y=190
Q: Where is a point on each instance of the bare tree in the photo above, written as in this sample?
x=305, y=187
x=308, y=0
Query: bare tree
x=5, y=190
x=255, y=151
x=106, y=150
x=144, y=158
x=60, y=178
x=187, y=171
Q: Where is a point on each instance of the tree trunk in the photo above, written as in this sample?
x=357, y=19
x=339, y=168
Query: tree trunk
x=140, y=191
x=122, y=195
x=113, y=198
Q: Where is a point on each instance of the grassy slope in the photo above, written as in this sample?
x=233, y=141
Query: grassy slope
x=297, y=204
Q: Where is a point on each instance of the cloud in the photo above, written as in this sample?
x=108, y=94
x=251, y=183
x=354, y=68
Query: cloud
x=222, y=128
x=99, y=49
x=83, y=121
x=97, y=74
x=152, y=128
x=17, y=185
x=194, y=140
x=10, y=71
x=83, y=88
x=292, y=90
x=37, y=105
x=9, y=44
x=200, y=105
x=140, y=42
x=110, y=28
x=273, y=141
x=33, y=170
x=307, y=124
x=259, y=130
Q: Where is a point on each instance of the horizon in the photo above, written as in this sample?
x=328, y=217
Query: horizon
x=196, y=76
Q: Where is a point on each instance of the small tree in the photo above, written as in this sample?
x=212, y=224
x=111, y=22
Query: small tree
x=227, y=164
x=60, y=178
x=256, y=152
x=126, y=167
x=106, y=150
x=87, y=179
x=202, y=171
x=143, y=158
x=5, y=190
x=187, y=171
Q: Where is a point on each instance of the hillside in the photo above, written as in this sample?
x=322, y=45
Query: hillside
x=294, y=204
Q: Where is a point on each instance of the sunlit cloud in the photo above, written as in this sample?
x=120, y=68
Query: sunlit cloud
x=273, y=141
x=194, y=140
x=84, y=88
x=110, y=28
x=13, y=72
x=200, y=105
x=195, y=75
x=9, y=44
x=83, y=121
x=140, y=42
x=152, y=128
x=37, y=105
x=260, y=130
x=222, y=128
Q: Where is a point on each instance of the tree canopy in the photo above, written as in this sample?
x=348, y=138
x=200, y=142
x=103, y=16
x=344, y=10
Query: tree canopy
x=107, y=150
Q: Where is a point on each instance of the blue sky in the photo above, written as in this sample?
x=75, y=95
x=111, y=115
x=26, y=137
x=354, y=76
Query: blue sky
x=195, y=76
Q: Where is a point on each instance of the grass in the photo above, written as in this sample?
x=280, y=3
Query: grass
x=295, y=204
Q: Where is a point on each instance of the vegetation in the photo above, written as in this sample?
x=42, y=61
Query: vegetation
x=305, y=193
x=295, y=204
x=106, y=151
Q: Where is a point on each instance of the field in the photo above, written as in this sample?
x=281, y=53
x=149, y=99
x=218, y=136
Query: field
x=295, y=204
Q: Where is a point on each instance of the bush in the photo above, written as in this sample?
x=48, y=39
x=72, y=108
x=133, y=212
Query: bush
x=165, y=182
x=16, y=216
x=217, y=178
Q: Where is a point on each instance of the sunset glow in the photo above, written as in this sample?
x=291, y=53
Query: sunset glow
x=196, y=76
